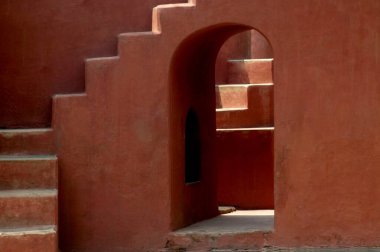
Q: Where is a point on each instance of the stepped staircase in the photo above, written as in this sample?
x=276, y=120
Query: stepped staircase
x=247, y=102
x=28, y=191
x=28, y=164
x=245, y=126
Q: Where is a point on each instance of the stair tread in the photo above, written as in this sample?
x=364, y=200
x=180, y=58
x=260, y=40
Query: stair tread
x=247, y=129
x=41, y=229
x=25, y=130
x=135, y=34
x=174, y=5
x=27, y=141
x=28, y=193
x=69, y=95
x=16, y=157
x=244, y=85
x=250, y=60
x=230, y=109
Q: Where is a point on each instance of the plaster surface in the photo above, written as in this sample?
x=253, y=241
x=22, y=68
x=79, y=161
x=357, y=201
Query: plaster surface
x=245, y=168
x=118, y=142
x=43, y=45
x=240, y=230
x=240, y=221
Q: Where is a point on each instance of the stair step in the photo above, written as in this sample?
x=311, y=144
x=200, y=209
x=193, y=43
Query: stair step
x=23, y=172
x=251, y=71
x=22, y=208
x=230, y=109
x=29, y=239
x=40, y=229
x=231, y=96
x=236, y=231
x=27, y=141
x=246, y=129
x=243, y=118
x=258, y=114
x=235, y=95
x=95, y=70
x=175, y=9
x=248, y=242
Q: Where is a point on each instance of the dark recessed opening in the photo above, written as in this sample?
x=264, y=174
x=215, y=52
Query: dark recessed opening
x=192, y=148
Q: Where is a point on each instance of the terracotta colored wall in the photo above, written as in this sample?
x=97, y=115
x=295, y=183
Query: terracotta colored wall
x=245, y=169
x=43, y=46
x=236, y=47
x=193, y=86
x=327, y=101
x=246, y=45
x=260, y=47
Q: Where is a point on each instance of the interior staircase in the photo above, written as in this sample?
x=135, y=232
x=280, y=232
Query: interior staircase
x=28, y=191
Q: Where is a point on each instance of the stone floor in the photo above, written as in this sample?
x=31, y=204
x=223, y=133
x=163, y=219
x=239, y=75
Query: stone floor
x=236, y=232
x=227, y=232
x=236, y=222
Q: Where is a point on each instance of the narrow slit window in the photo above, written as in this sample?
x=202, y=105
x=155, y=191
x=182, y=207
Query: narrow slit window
x=192, y=148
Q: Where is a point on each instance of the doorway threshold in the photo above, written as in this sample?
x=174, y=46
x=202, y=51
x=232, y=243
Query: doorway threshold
x=241, y=229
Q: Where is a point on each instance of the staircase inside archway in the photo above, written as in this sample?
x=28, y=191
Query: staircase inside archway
x=244, y=159
x=244, y=120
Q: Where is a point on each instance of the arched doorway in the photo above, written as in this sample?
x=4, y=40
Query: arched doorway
x=192, y=85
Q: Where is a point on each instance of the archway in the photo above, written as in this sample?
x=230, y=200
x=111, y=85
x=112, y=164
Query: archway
x=245, y=123
x=192, y=85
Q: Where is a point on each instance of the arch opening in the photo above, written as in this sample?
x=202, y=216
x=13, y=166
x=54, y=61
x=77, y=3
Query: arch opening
x=193, y=75
x=245, y=122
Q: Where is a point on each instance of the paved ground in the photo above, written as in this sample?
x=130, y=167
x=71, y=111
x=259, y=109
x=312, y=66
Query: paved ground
x=235, y=222
x=240, y=222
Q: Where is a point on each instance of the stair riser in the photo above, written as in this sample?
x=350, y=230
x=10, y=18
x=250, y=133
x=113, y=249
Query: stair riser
x=96, y=71
x=163, y=14
x=28, y=211
x=29, y=243
x=250, y=72
x=258, y=114
x=132, y=41
x=242, y=119
x=27, y=142
x=199, y=242
x=260, y=103
x=231, y=97
x=28, y=174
